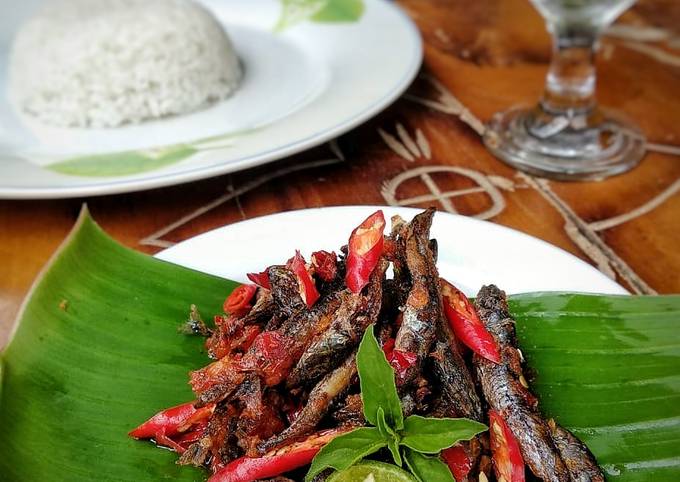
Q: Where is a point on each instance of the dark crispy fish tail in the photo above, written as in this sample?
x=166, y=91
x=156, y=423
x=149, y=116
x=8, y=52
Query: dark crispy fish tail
x=579, y=460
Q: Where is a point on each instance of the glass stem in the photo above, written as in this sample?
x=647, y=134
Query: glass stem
x=570, y=83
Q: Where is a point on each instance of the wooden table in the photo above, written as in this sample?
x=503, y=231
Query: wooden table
x=480, y=57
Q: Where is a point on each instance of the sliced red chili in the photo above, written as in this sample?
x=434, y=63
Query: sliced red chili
x=224, y=322
x=325, y=264
x=220, y=371
x=260, y=279
x=165, y=441
x=466, y=324
x=306, y=285
x=231, y=336
x=364, y=249
x=277, y=462
x=269, y=356
x=506, y=455
x=187, y=438
x=247, y=338
x=401, y=361
x=172, y=421
x=238, y=301
x=459, y=461
x=388, y=347
x=218, y=346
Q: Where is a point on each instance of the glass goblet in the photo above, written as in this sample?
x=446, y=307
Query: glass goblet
x=567, y=136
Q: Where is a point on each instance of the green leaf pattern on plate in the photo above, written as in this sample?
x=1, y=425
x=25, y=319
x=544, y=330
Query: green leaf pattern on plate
x=123, y=163
x=323, y=11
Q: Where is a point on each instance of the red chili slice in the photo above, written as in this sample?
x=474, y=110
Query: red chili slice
x=401, y=361
x=269, y=356
x=308, y=290
x=466, y=324
x=277, y=462
x=165, y=441
x=193, y=435
x=260, y=279
x=238, y=301
x=325, y=264
x=171, y=421
x=217, y=372
x=247, y=338
x=365, y=247
x=458, y=460
x=388, y=347
x=506, y=455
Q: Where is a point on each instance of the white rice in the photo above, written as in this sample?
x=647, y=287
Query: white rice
x=104, y=63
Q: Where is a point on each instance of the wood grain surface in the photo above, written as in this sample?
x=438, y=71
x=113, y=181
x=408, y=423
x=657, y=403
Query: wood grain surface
x=480, y=57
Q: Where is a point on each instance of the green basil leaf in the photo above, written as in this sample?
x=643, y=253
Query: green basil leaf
x=431, y=435
x=391, y=436
x=376, y=378
x=393, y=445
x=382, y=424
x=427, y=469
x=346, y=450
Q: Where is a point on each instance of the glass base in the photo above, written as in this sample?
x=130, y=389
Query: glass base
x=591, y=145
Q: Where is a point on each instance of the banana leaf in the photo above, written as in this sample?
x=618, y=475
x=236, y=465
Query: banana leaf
x=96, y=351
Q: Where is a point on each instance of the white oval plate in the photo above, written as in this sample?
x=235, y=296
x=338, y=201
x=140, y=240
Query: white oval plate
x=471, y=252
x=303, y=85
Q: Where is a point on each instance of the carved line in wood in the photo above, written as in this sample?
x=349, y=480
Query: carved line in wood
x=390, y=189
x=155, y=239
x=638, y=211
x=663, y=148
x=639, y=38
x=656, y=53
x=639, y=33
x=405, y=145
x=587, y=239
x=447, y=103
x=411, y=147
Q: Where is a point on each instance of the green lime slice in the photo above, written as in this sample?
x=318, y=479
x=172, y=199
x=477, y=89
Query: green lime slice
x=372, y=472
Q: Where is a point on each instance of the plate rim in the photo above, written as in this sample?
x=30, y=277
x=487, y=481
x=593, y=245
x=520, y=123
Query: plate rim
x=113, y=186
x=616, y=288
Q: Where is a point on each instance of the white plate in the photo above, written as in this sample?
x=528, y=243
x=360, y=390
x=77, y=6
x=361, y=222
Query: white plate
x=471, y=252
x=303, y=86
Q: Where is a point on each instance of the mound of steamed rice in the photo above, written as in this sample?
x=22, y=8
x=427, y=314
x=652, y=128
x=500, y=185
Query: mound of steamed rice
x=104, y=63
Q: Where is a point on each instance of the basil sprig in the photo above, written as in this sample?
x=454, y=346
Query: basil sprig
x=416, y=440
